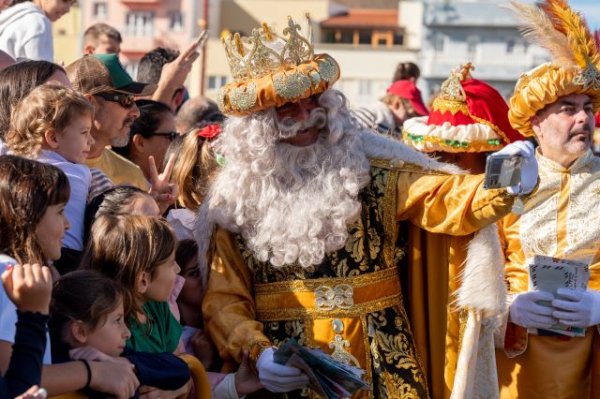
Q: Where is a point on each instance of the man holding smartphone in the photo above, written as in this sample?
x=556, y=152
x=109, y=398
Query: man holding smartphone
x=555, y=103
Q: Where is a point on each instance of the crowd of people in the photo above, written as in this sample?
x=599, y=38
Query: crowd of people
x=139, y=227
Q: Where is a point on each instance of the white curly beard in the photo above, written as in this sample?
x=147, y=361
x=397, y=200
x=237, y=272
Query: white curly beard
x=290, y=204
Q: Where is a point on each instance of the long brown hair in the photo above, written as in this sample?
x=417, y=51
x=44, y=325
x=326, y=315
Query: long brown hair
x=27, y=189
x=17, y=81
x=122, y=247
x=193, y=170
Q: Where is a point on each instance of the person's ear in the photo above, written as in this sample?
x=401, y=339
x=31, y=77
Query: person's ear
x=536, y=122
x=396, y=104
x=138, y=143
x=88, y=49
x=50, y=136
x=177, y=100
x=79, y=331
x=142, y=283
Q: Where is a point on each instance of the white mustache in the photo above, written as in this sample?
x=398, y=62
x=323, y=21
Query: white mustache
x=289, y=127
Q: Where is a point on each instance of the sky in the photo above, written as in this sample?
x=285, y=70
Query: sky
x=590, y=10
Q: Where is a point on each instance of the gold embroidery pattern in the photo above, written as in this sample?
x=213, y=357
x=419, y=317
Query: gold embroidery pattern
x=538, y=227
x=385, y=333
x=329, y=298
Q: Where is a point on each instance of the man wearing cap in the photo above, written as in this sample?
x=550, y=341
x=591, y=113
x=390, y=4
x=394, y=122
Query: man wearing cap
x=555, y=103
x=455, y=288
x=104, y=81
x=300, y=226
x=401, y=102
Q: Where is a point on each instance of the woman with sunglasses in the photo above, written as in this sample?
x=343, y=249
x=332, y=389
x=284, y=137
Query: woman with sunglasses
x=150, y=135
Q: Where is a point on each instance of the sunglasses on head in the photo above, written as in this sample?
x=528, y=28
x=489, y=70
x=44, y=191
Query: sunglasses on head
x=124, y=100
x=170, y=135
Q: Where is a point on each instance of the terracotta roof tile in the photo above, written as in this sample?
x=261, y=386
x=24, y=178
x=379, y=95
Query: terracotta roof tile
x=363, y=18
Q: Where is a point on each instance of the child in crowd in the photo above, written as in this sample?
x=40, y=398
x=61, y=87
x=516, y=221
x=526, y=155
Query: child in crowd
x=120, y=200
x=32, y=224
x=193, y=171
x=28, y=287
x=88, y=322
x=52, y=124
x=225, y=386
x=189, y=302
x=139, y=252
x=195, y=165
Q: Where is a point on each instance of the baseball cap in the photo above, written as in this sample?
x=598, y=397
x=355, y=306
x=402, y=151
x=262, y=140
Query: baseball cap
x=98, y=73
x=407, y=90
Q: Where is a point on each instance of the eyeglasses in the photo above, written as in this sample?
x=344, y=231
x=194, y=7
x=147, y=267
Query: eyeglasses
x=124, y=100
x=169, y=135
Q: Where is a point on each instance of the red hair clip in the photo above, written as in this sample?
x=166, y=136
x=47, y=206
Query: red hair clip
x=210, y=131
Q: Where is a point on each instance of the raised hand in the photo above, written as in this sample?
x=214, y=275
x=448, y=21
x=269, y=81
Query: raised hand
x=529, y=167
x=161, y=188
x=29, y=287
x=174, y=74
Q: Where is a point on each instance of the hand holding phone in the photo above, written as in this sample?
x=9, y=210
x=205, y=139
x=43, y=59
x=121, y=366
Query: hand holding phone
x=502, y=170
x=201, y=40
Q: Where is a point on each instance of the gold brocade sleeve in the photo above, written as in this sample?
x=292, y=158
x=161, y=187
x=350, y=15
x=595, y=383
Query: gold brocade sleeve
x=514, y=337
x=450, y=204
x=516, y=271
x=228, y=307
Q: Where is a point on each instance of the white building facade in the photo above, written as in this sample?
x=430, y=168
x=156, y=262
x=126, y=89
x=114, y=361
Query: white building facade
x=484, y=32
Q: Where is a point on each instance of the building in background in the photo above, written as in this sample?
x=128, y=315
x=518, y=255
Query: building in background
x=481, y=31
x=67, y=33
x=367, y=38
x=145, y=24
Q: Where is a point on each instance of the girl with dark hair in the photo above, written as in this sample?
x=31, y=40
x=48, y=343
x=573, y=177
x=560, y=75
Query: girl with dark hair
x=32, y=225
x=87, y=321
x=17, y=81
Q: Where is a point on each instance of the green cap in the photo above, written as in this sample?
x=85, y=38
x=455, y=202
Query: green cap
x=100, y=73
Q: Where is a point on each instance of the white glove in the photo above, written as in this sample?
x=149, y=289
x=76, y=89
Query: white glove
x=525, y=312
x=277, y=377
x=529, y=167
x=577, y=308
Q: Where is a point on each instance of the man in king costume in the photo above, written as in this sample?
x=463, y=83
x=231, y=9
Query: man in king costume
x=556, y=103
x=454, y=286
x=301, y=225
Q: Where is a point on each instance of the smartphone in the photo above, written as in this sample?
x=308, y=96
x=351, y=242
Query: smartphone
x=502, y=170
x=201, y=39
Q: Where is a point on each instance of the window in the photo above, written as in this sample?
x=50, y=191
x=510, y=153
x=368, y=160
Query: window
x=510, y=46
x=140, y=23
x=472, y=43
x=215, y=82
x=364, y=87
x=364, y=37
x=176, y=21
x=100, y=10
x=438, y=43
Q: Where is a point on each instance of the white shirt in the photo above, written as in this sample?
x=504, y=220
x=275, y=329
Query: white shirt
x=26, y=32
x=80, y=179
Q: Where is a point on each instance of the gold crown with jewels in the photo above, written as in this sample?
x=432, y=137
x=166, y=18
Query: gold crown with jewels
x=270, y=70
